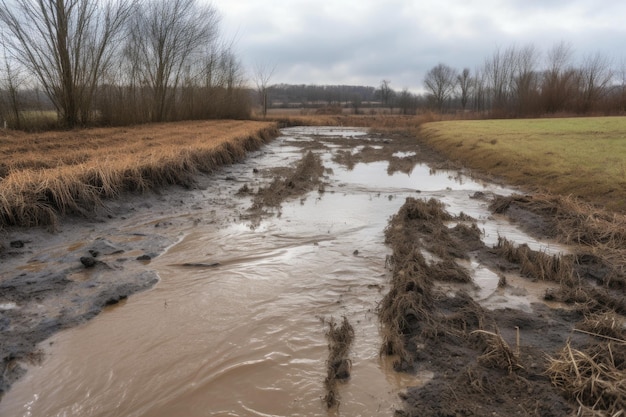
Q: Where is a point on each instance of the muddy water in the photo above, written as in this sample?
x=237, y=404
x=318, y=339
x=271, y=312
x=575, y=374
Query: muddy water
x=235, y=327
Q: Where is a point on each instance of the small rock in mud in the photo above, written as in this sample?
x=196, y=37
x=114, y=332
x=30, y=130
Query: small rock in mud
x=88, y=261
x=356, y=252
x=144, y=258
x=244, y=190
x=115, y=300
x=478, y=195
x=17, y=244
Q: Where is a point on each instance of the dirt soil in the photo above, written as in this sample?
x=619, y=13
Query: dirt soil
x=485, y=362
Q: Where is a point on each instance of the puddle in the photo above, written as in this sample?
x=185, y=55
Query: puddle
x=403, y=154
x=235, y=326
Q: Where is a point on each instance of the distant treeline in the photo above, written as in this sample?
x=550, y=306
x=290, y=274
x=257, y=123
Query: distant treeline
x=524, y=81
x=512, y=82
x=301, y=95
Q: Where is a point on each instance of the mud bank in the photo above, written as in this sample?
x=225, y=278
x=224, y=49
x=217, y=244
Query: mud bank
x=52, y=281
x=489, y=360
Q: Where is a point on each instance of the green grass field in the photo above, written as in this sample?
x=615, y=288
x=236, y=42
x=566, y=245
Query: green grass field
x=583, y=157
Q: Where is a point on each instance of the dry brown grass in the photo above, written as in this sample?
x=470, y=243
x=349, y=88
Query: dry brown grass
x=297, y=181
x=536, y=264
x=573, y=221
x=44, y=175
x=338, y=366
x=607, y=325
x=594, y=377
x=497, y=352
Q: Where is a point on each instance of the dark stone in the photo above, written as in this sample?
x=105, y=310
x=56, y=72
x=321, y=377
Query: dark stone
x=342, y=368
x=88, y=261
x=17, y=244
x=115, y=300
x=144, y=258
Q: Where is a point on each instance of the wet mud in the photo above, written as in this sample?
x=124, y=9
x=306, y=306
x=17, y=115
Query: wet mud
x=501, y=361
x=458, y=297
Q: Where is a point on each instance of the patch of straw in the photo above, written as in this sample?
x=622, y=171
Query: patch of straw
x=594, y=377
x=498, y=353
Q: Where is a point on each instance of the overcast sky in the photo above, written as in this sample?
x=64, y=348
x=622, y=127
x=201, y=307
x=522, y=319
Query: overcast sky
x=361, y=42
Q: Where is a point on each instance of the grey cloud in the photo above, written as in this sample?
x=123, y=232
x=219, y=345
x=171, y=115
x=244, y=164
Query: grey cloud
x=401, y=40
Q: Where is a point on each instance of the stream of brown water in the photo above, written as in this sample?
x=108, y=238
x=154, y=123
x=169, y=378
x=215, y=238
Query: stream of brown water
x=246, y=337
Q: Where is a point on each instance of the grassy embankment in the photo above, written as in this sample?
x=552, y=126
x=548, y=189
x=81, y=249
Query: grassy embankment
x=581, y=157
x=44, y=175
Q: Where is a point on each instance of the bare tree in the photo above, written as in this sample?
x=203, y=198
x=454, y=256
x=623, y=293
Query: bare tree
x=464, y=82
x=479, y=91
x=407, y=102
x=498, y=71
x=525, y=78
x=164, y=35
x=594, y=80
x=386, y=94
x=558, y=79
x=622, y=86
x=262, y=75
x=11, y=84
x=66, y=45
x=440, y=82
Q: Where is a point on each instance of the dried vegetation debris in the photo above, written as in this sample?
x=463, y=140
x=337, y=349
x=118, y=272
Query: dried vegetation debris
x=413, y=305
x=484, y=362
x=560, y=361
x=338, y=365
x=595, y=377
x=287, y=183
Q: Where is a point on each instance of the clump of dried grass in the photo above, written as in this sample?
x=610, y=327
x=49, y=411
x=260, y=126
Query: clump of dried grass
x=536, y=264
x=417, y=209
x=449, y=271
x=497, y=352
x=338, y=365
x=595, y=377
x=56, y=173
x=608, y=325
x=304, y=177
